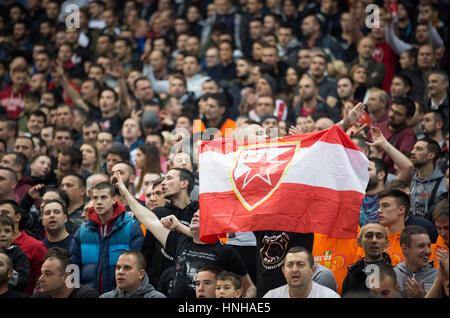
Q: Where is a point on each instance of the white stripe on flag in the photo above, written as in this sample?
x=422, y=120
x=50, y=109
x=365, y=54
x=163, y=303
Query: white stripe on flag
x=321, y=165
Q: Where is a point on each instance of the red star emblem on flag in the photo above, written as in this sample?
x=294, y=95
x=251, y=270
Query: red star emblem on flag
x=259, y=169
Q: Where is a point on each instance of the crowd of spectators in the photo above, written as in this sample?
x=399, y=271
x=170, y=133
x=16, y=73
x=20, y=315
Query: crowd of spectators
x=103, y=106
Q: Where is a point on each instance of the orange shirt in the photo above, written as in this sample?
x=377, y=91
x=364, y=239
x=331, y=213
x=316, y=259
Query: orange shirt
x=439, y=244
x=394, y=250
x=335, y=254
x=225, y=130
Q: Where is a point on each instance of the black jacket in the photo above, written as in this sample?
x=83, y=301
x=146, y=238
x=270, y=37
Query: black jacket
x=355, y=281
x=22, y=267
x=157, y=259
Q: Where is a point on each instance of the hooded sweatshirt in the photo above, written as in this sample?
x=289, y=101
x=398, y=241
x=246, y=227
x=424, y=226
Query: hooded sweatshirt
x=97, y=245
x=427, y=274
x=145, y=290
x=422, y=202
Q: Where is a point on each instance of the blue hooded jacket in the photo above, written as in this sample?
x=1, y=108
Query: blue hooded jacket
x=97, y=246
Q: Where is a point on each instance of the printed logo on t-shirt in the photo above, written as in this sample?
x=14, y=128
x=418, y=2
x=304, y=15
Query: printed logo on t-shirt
x=273, y=250
x=105, y=125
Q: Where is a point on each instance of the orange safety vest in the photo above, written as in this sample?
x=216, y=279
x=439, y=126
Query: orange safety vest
x=394, y=249
x=224, y=131
x=335, y=254
x=439, y=244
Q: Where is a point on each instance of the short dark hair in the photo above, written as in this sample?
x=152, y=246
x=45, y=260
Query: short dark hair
x=89, y=123
x=380, y=165
x=397, y=184
x=116, y=96
x=6, y=221
x=14, y=204
x=80, y=178
x=19, y=159
x=106, y=185
x=407, y=103
x=440, y=211
x=11, y=172
x=432, y=146
x=347, y=77
x=220, y=98
x=131, y=169
x=301, y=249
x=437, y=115
x=233, y=277
x=404, y=78
x=387, y=270
x=76, y=157
x=210, y=268
x=141, y=263
x=64, y=208
x=409, y=231
x=121, y=150
x=38, y=113
x=186, y=175
x=140, y=78
x=28, y=138
x=400, y=197
x=62, y=255
x=62, y=194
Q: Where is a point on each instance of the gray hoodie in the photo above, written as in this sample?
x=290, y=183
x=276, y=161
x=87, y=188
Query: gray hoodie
x=426, y=274
x=145, y=290
x=421, y=190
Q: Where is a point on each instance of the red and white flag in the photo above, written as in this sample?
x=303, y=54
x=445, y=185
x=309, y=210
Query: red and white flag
x=305, y=183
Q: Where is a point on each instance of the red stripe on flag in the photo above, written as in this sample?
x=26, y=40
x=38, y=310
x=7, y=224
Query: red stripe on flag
x=315, y=209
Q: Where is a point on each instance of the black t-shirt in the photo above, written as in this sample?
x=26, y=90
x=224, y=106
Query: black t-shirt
x=112, y=124
x=65, y=243
x=189, y=257
x=271, y=248
x=158, y=260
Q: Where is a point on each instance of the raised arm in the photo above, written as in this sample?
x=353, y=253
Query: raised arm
x=405, y=166
x=144, y=215
x=70, y=90
x=117, y=72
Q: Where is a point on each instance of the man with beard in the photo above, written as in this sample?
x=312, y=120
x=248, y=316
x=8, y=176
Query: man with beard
x=395, y=128
x=309, y=101
x=128, y=174
x=242, y=81
x=428, y=182
x=176, y=187
x=377, y=177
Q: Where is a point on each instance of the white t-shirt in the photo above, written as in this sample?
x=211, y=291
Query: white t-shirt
x=317, y=291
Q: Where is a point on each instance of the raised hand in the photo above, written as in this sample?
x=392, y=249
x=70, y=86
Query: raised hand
x=116, y=181
x=34, y=191
x=377, y=137
x=353, y=115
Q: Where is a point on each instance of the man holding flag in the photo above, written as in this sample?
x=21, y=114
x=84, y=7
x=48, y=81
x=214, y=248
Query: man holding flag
x=256, y=188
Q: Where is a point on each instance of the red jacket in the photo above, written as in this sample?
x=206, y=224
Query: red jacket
x=35, y=251
x=12, y=102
